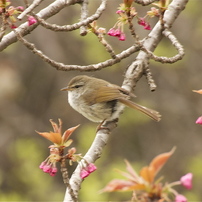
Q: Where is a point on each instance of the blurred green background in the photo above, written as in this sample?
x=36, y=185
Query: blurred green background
x=30, y=96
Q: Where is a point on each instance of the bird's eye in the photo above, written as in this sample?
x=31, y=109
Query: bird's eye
x=77, y=86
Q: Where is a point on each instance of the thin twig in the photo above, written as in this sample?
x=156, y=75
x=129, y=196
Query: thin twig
x=144, y=2
x=93, y=67
x=149, y=78
x=2, y=31
x=32, y=6
x=131, y=28
x=102, y=40
x=137, y=68
x=75, y=26
x=26, y=3
x=3, y=24
x=168, y=34
x=65, y=177
x=107, y=46
x=84, y=15
x=45, y=13
x=176, y=44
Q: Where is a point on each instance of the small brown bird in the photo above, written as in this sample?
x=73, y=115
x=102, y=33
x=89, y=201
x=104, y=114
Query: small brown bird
x=99, y=100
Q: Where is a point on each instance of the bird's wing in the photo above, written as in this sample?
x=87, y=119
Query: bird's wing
x=105, y=93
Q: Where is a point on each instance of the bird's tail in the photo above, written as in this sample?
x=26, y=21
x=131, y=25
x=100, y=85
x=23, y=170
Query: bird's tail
x=149, y=112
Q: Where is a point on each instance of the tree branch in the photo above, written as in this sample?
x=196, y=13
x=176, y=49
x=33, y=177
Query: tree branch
x=137, y=68
x=144, y=2
x=91, y=156
x=132, y=75
x=92, y=67
x=34, y=4
x=84, y=15
x=75, y=26
x=45, y=13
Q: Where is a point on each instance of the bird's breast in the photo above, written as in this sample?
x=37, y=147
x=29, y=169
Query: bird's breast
x=96, y=112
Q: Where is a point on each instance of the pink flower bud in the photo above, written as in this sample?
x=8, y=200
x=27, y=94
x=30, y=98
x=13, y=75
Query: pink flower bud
x=53, y=171
x=117, y=33
x=147, y=26
x=122, y=37
x=47, y=168
x=91, y=168
x=142, y=22
x=31, y=20
x=119, y=11
x=180, y=198
x=84, y=173
x=42, y=165
x=199, y=120
x=111, y=32
x=186, y=180
x=13, y=26
x=20, y=8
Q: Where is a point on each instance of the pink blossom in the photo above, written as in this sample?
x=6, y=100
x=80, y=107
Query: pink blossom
x=142, y=22
x=117, y=33
x=13, y=26
x=180, y=198
x=111, y=32
x=42, y=165
x=147, y=26
x=20, y=8
x=199, y=120
x=52, y=174
x=47, y=168
x=84, y=173
x=31, y=20
x=53, y=171
x=186, y=180
x=122, y=37
x=91, y=168
x=119, y=11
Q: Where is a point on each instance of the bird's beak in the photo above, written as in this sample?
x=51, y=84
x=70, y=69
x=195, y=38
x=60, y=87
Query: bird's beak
x=66, y=88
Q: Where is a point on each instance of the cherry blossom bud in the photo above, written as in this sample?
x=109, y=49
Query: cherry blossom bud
x=117, y=33
x=111, y=32
x=119, y=11
x=91, y=168
x=47, y=168
x=31, y=20
x=180, y=198
x=84, y=173
x=122, y=37
x=42, y=165
x=186, y=180
x=13, y=26
x=147, y=27
x=199, y=120
x=142, y=22
x=53, y=171
x=20, y=8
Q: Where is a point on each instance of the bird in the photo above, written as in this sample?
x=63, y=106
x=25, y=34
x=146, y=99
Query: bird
x=99, y=100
